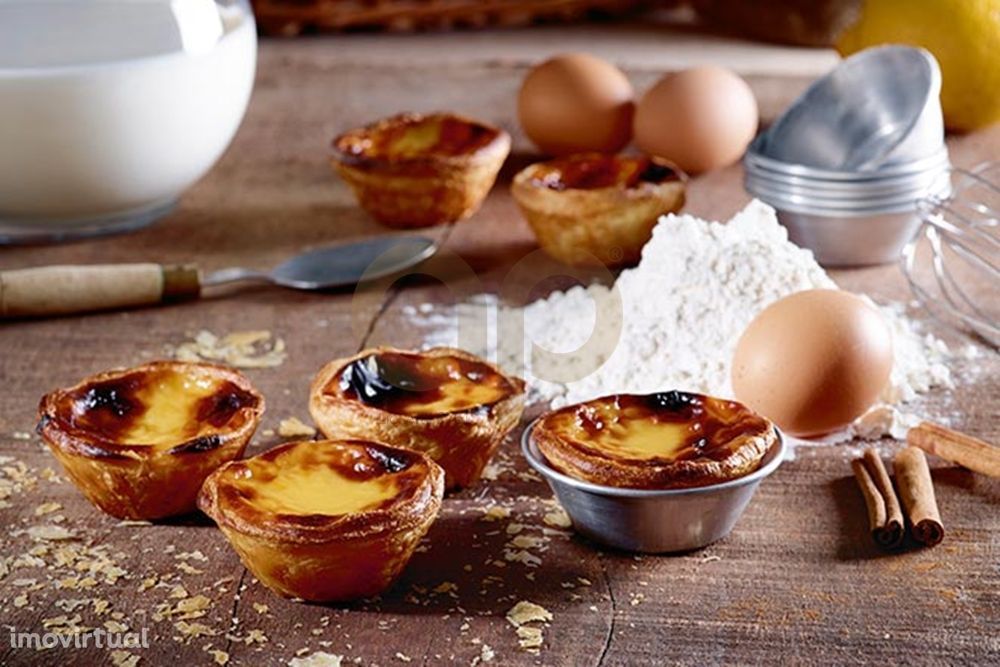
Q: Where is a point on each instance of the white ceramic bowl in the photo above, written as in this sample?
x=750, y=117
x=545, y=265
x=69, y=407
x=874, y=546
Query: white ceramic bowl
x=110, y=110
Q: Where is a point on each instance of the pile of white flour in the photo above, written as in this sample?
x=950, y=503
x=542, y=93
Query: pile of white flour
x=673, y=321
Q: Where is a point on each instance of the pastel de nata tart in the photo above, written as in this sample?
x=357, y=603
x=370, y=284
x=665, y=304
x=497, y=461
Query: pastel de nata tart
x=449, y=404
x=326, y=520
x=139, y=442
x=658, y=441
x=415, y=170
x=593, y=208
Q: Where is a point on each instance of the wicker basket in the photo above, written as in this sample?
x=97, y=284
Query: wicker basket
x=799, y=22
x=291, y=17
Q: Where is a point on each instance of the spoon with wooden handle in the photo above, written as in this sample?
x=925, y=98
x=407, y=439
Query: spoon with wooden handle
x=62, y=290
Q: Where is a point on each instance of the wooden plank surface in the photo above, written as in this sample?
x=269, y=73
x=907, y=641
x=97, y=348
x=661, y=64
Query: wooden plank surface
x=798, y=581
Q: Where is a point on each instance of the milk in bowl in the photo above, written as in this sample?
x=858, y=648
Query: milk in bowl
x=110, y=109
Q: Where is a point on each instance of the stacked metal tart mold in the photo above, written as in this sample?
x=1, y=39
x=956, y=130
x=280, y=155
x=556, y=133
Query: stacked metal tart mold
x=846, y=165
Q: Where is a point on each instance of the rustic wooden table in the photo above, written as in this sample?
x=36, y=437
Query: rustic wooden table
x=798, y=581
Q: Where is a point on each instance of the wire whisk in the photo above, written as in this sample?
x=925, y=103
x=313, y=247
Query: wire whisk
x=953, y=261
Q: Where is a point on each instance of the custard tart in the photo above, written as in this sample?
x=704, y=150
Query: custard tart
x=139, y=442
x=593, y=208
x=326, y=520
x=658, y=441
x=449, y=404
x=415, y=170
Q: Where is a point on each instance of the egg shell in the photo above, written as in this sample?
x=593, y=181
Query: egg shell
x=575, y=103
x=814, y=361
x=701, y=118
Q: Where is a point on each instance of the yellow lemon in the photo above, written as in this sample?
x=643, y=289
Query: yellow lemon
x=964, y=36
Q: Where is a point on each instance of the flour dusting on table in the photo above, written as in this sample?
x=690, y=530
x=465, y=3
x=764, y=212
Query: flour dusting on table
x=673, y=321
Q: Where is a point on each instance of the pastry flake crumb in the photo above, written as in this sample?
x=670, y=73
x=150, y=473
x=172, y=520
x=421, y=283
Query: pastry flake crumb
x=403, y=657
x=220, y=657
x=240, y=349
x=557, y=518
x=522, y=556
x=636, y=599
x=445, y=587
x=50, y=532
x=192, y=607
x=526, y=611
x=260, y=608
x=530, y=638
x=124, y=659
x=293, y=427
x=115, y=626
x=528, y=541
x=486, y=654
x=515, y=528
x=318, y=659
x=497, y=468
x=495, y=513
x=47, y=508
x=194, y=629
x=255, y=637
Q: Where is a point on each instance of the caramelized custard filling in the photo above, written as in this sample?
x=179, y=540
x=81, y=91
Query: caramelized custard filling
x=668, y=426
x=161, y=408
x=329, y=479
x=415, y=136
x=421, y=386
x=592, y=171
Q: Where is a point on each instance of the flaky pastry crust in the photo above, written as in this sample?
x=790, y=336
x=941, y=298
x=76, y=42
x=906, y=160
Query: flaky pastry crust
x=462, y=441
x=593, y=208
x=327, y=557
x=722, y=440
x=405, y=187
x=87, y=428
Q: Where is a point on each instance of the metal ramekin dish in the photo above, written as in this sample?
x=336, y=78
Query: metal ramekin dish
x=850, y=233
x=652, y=521
x=755, y=159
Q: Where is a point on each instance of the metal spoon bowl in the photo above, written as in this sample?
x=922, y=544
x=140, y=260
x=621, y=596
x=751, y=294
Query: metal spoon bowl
x=336, y=266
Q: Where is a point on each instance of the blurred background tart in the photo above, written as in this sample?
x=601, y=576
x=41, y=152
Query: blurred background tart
x=416, y=170
x=592, y=208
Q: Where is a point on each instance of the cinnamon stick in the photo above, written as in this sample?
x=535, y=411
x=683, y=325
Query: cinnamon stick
x=884, y=513
x=966, y=451
x=916, y=490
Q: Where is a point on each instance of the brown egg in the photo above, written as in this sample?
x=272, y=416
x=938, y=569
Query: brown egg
x=700, y=119
x=575, y=103
x=814, y=361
